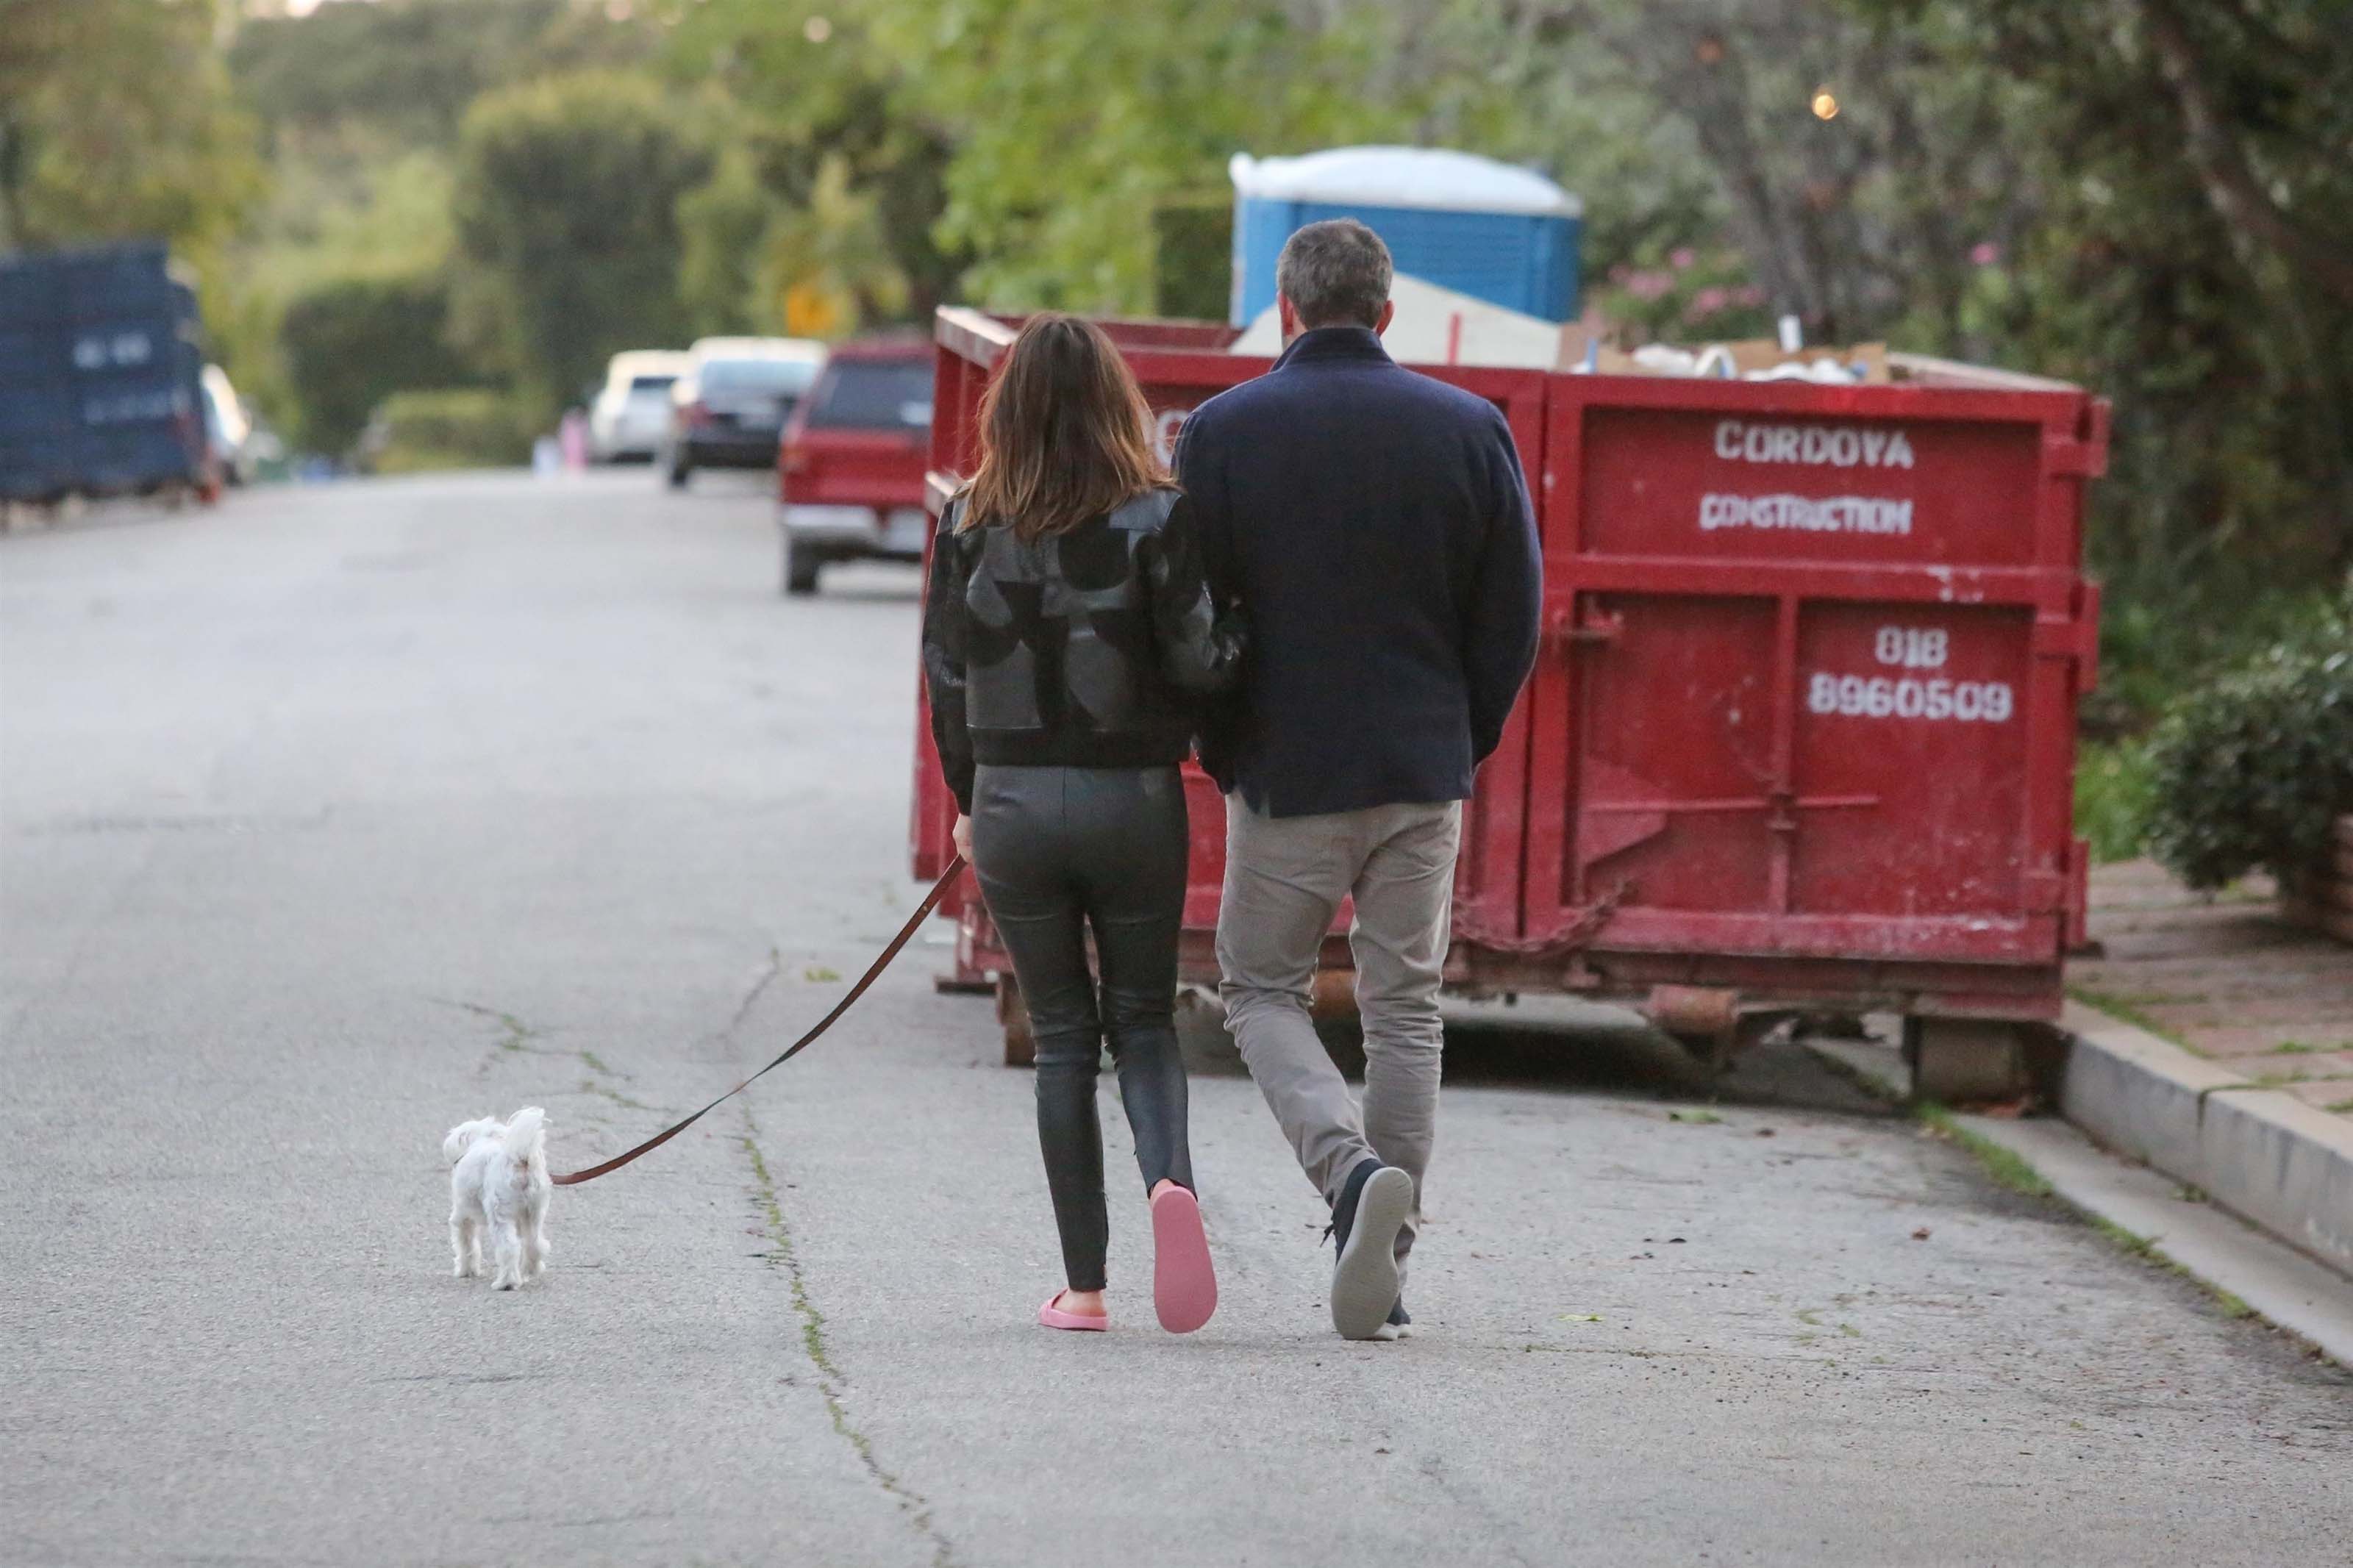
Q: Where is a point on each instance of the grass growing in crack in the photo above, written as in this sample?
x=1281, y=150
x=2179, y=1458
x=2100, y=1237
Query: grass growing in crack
x=2131, y=1241
x=518, y=1035
x=812, y=1320
x=813, y=1342
x=2126, y=1009
x=590, y=1086
x=2003, y=1166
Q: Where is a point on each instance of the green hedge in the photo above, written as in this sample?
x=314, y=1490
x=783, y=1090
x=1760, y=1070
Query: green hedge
x=2250, y=769
x=350, y=342
x=463, y=428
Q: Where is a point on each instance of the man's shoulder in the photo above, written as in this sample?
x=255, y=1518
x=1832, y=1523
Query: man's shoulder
x=1396, y=395
x=1445, y=396
x=1235, y=401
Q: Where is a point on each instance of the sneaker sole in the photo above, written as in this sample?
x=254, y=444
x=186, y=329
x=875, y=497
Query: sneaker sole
x=1365, y=1281
x=1184, y=1282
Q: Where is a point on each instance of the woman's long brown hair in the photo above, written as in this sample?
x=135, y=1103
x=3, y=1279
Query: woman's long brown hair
x=1065, y=434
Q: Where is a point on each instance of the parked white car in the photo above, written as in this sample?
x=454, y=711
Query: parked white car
x=228, y=426
x=629, y=419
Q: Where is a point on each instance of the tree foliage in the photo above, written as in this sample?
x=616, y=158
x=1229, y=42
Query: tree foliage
x=568, y=229
x=833, y=188
x=116, y=120
x=1072, y=123
x=352, y=341
x=415, y=67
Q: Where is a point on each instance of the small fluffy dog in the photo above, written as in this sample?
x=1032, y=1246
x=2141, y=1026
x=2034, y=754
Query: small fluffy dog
x=500, y=1184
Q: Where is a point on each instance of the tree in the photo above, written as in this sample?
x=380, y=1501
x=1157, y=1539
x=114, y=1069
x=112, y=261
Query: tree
x=116, y=120
x=2152, y=197
x=412, y=67
x=1071, y=125
x=568, y=229
x=842, y=159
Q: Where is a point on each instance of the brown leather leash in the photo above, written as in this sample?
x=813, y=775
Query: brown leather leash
x=882, y=961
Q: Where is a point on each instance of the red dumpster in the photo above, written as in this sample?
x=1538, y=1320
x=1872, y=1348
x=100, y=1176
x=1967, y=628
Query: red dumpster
x=1801, y=736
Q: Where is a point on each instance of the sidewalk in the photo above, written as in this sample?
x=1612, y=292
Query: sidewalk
x=2225, y=978
x=2213, y=1041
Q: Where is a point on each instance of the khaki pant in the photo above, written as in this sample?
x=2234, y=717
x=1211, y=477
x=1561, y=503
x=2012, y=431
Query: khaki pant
x=1284, y=880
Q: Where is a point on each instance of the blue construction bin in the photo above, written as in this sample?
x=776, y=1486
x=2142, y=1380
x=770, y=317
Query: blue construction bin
x=99, y=374
x=1490, y=230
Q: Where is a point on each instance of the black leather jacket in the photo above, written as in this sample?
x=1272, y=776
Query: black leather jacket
x=1088, y=648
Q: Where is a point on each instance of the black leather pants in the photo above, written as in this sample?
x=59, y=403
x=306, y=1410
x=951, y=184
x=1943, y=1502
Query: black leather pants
x=1059, y=852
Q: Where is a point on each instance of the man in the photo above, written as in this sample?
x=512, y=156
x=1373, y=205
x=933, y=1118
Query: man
x=1374, y=525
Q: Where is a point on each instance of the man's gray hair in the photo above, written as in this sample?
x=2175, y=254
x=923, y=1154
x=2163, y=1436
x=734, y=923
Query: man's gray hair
x=1335, y=273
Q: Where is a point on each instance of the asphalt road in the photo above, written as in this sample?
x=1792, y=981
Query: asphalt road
x=338, y=816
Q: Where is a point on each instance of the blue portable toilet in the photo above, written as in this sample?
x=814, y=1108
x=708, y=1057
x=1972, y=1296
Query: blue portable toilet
x=1491, y=230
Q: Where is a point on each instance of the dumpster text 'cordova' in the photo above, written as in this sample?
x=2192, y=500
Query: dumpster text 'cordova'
x=1835, y=445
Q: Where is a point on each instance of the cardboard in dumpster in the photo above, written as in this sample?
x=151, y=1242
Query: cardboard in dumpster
x=1754, y=359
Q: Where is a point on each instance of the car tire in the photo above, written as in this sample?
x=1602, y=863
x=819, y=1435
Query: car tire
x=801, y=566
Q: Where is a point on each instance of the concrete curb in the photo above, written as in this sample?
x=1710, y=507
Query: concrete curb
x=2267, y=1157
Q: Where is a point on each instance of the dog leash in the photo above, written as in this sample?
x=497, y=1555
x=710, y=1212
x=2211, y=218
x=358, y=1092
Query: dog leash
x=882, y=961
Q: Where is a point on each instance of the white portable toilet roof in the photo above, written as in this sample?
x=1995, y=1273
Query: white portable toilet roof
x=1427, y=177
x=1437, y=326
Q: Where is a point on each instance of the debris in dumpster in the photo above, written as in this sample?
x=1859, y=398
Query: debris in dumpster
x=1755, y=359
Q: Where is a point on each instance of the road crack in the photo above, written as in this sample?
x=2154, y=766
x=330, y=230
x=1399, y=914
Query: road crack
x=766, y=977
x=830, y=1380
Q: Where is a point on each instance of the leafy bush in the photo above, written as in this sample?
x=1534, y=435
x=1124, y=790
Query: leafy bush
x=460, y=428
x=2251, y=770
x=2115, y=789
x=350, y=342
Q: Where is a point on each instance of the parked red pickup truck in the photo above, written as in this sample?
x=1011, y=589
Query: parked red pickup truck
x=851, y=469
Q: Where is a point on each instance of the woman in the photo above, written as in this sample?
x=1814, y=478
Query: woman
x=1068, y=634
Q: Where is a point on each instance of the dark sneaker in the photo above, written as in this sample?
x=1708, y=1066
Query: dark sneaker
x=1372, y=1209
x=1400, y=1325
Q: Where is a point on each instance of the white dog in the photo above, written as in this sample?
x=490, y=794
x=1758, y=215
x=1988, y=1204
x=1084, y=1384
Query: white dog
x=500, y=1184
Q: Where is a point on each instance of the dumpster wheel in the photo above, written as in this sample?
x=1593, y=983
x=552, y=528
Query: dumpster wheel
x=1013, y=1014
x=1962, y=1060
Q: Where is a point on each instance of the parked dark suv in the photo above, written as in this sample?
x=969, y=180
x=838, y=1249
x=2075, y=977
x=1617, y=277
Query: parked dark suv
x=728, y=410
x=850, y=476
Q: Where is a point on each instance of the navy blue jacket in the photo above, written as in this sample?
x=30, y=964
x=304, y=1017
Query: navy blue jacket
x=1374, y=524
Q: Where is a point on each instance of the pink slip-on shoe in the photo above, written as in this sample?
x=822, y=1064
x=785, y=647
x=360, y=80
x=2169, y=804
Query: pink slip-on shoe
x=1183, y=1284
x=1053, y=1317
